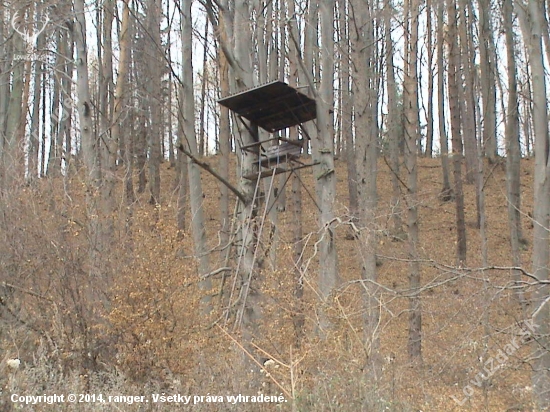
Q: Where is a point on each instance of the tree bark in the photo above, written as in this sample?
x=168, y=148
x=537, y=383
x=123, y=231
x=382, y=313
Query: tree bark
x=15, y=116
x=412, y=133
x=488, y=83
x=446, y=191
x=454, y=108
x=393, y=127
x=513, y=149
x=531, y=14
x=154, y=95
x=324, y=152
x=465, y=69
x=430, y=114
x=189, y=139
x=365, y=83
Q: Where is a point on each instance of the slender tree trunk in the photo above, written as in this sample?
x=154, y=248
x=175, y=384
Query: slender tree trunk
x=324, y=150
x=189, y=140
x=222, y=28
x=33, y=168
x=347, y=115
x=464, y=65
x=120, y=100
x=365, y=90
x=446, y=191
x=108, y=145
x=42, y=165
x=4, y=84
x=296, y=198
x=154, y=94
x=394, y=127
x=431, y=76
x=454, y=108
x=66, y=119
x=412, y=133
x=225, y=151
x=15, y=117
x=202, y=133
x=528, y=114
x=54, y=156
x=122, y=78
x=531, y=15
x=513, y=149
x=488, y=83
x=93, y=289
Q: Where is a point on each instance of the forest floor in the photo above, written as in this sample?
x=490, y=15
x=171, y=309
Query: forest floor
x=470, y=314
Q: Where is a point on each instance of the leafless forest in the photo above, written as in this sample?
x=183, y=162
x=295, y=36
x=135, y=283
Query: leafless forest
x=341, y=203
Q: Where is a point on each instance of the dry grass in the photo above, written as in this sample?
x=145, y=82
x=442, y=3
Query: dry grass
x=155, y=340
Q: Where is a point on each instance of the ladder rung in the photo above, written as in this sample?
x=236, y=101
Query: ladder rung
x=265, y=173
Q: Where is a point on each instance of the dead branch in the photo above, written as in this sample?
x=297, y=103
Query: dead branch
x=210, y=170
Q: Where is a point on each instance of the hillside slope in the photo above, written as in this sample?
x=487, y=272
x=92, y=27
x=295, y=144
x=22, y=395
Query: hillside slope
x=154, y=340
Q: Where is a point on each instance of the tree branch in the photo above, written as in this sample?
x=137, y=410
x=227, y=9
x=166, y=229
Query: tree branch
x=209, y=169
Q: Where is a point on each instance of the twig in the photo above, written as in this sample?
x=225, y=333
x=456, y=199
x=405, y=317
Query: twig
x=255, y=361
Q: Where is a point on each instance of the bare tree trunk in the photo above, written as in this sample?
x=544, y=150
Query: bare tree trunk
x=120, y=101
x=530, y=14
x=42, y=166
x=15, y=118
x=225, y=150
x=324, y=150
x=122, y=78
x=488, y=83
x=446, y=191
x=412, y=133
x=267, y=53
x=65, y=127
x=525, y=92
x=296, y=198
x=203, y=91
x=394, y=127
x=454, y=108
x=365, y=83
x=513, y=149
x=108, y=145
x=430, y=120
x=189, y=140
x=33, y=168
x=54, y=156
x=222, y=28
x=464, y=65
x=4, y=84
x=154, y=94
x=96, y=283
x=346, y=123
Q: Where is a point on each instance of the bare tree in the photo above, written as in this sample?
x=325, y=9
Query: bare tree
x=446, y=191
x=456, y=130
x=531, y=17
x=430, y=47
x=155, y=70
x=15, y=117
x=487, y=55
x=513, y=149
x=323, y=147
x=412, y=133
x=393, y=125
x=365, y=81
x=189, y=139
x=465, y=70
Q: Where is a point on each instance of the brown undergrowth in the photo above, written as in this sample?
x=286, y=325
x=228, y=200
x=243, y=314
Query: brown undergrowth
x=136, y=328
